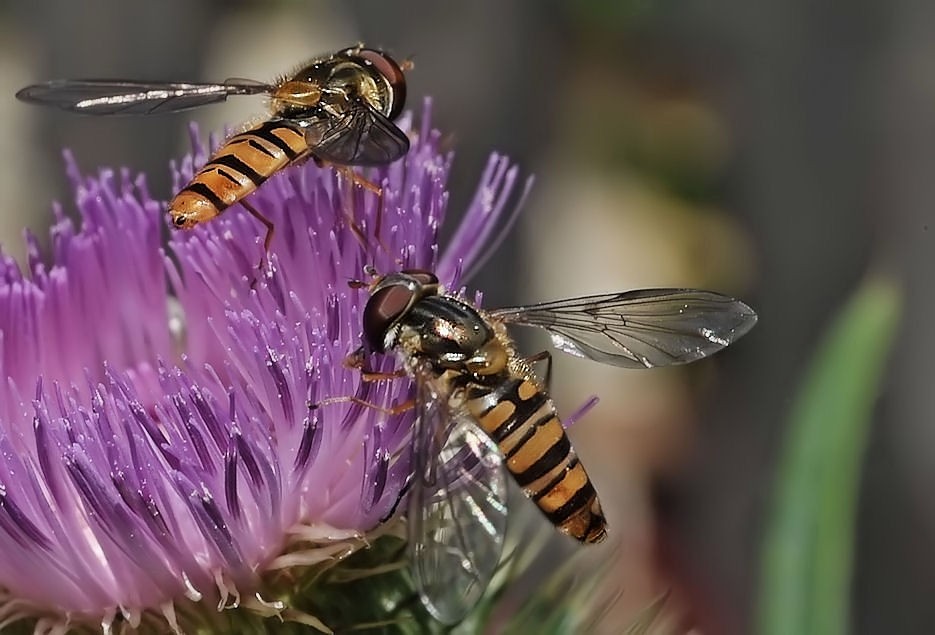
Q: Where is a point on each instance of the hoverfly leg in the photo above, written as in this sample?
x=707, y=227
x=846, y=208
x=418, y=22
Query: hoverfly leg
x=267, y=240
x=356, y=361
x=352, y=223
x=357, y=179
x=348, y=173
x=366, y=375
x=352, y=177
x=359, y=232
x=378, y=233
x=544, y=356
x=393, y=411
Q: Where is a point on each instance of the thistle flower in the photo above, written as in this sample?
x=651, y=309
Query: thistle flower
x=160, y=460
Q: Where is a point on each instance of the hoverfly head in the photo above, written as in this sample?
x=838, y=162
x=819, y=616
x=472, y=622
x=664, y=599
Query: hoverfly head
x=391, y=298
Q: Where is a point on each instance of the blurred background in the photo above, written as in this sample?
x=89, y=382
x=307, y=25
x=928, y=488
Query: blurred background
x=780, y=152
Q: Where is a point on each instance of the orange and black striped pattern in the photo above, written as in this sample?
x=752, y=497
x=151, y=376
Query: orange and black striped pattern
x=236, y=170
x=470, y=377
x=340, y=107
x=521, y=419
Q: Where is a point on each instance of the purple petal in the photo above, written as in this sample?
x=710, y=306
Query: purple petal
x=172, y=445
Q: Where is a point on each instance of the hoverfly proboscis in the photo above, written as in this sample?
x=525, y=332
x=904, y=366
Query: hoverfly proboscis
x=481, y=408
x=336, y=109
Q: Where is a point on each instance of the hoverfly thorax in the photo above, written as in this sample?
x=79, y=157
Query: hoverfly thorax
x=295, y=98
x=448, y=333
x=489, y=360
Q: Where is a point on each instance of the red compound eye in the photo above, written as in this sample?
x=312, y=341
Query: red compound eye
x=390, y=69
x=383, y=308
x=422, y=276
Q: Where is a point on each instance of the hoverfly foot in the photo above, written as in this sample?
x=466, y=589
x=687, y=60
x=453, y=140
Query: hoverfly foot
x=267, y=241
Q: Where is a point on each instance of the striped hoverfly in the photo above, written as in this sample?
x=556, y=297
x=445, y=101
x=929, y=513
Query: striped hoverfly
x=336, y=109
x=480, y=409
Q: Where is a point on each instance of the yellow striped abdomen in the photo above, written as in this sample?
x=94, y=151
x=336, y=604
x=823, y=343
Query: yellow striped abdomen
x=236, y=170
x=522, y=421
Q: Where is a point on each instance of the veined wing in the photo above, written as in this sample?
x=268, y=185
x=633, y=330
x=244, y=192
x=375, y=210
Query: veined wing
x=118, y=97
x=639, y=329
x=457, y=508
x=359, y=136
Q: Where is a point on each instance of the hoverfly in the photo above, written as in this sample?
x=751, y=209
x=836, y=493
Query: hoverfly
x=337, y=109
x=480, y=407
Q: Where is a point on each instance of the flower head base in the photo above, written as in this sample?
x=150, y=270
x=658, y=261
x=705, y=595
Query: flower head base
x=157, y=435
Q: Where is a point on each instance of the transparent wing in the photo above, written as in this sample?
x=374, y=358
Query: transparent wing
x=359, y=136
x=639, y=329
x=457, y=508
x=118, y=97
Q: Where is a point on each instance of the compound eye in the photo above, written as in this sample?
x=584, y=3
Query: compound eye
x=383, y=309
x=389, y=69
x=422, y=276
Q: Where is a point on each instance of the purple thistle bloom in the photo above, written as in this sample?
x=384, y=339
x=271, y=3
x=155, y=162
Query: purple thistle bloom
x=157, y=444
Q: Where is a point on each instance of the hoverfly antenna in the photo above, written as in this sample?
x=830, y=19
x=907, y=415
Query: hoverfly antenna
x=370, y=271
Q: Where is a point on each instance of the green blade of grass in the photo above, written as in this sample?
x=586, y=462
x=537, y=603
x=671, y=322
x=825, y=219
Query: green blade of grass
x=808, y=549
